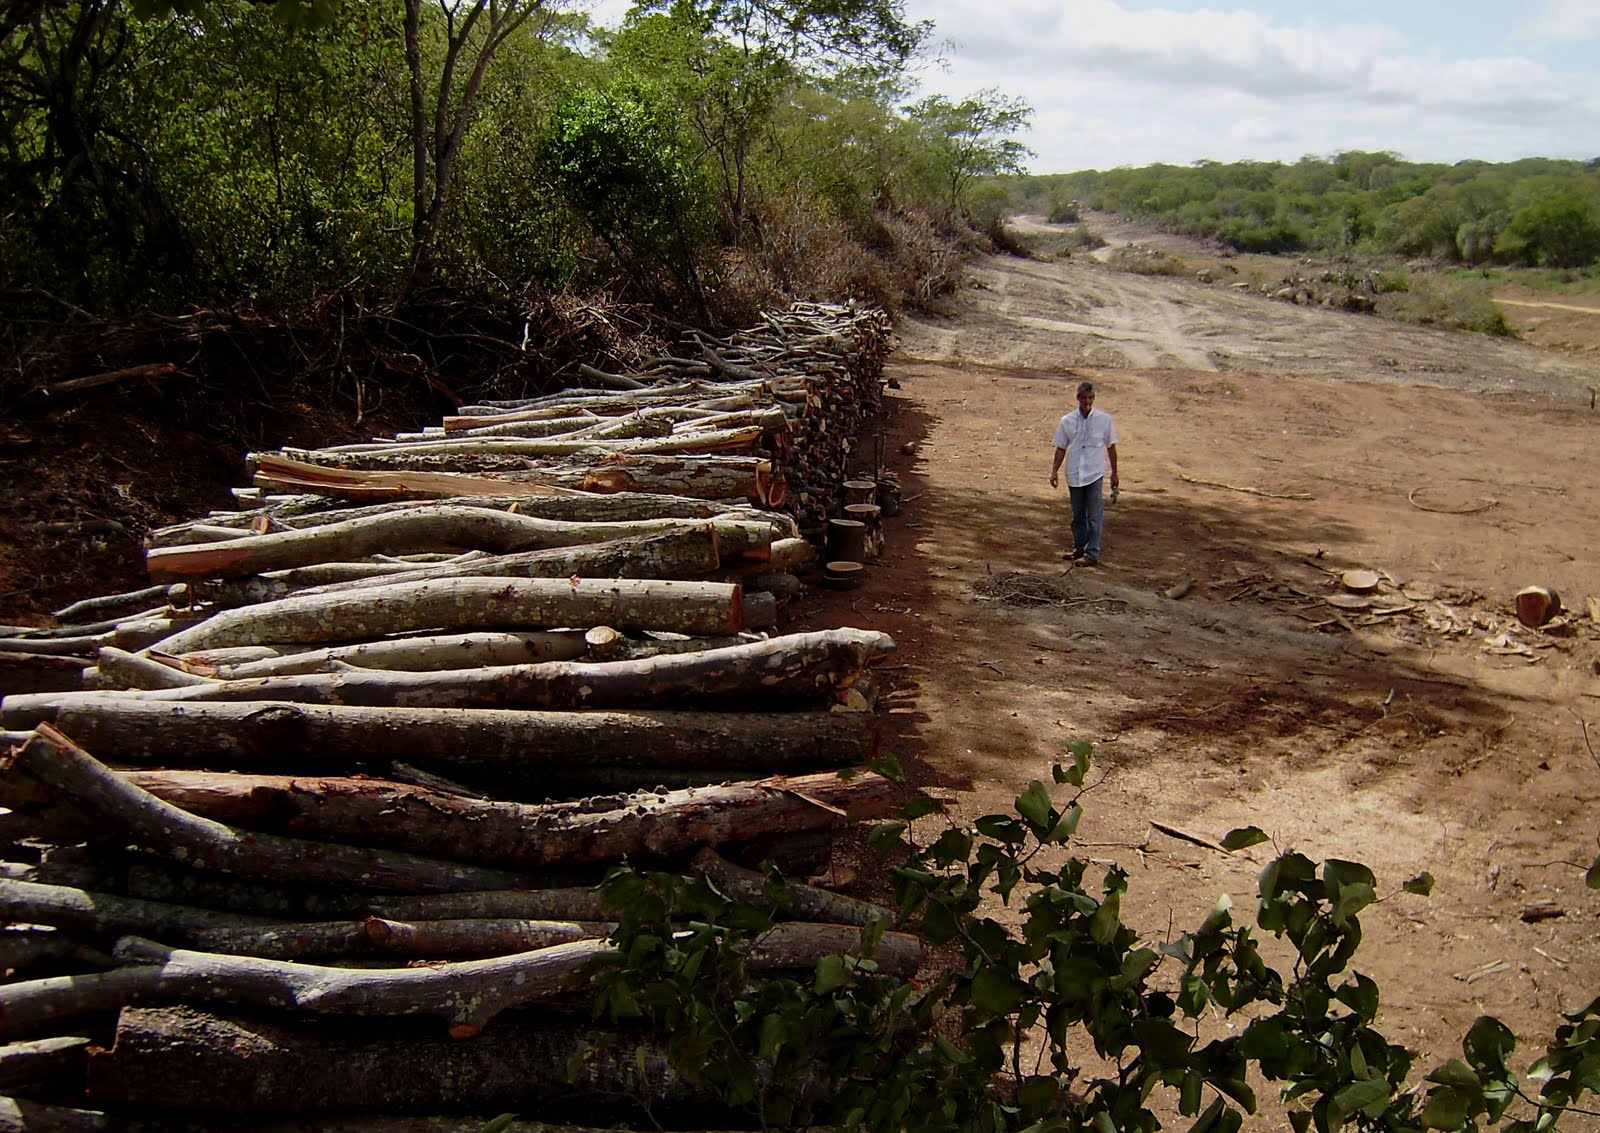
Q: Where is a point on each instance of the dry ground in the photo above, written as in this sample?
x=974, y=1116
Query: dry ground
x=1266, y=448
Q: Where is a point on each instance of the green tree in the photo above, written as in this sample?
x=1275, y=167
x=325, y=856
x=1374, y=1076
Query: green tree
x=971, y=138
x=1559, y=227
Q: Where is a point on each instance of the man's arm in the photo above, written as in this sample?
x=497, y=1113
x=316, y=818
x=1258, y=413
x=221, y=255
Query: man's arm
x=1111, y=455
x=1055, y=467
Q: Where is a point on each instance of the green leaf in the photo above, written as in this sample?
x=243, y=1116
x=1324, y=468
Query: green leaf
x=1038, y=1093
x=1001, y=829
x=831, y=974
x=772, y=1033
x=1352, y=899
x=1446, y=1109
x=1422, y=884
x=889, y=767
x=885, y=836
x=498, y=1124
x=1207, y=1121
x=1592, y=877
x=918, y=807
x=952, y=1052
x=1488, y=1043
x=1363, y=1097
x=1455, y=1073
x=997, y=992
x=1034, y=806
x=1243, y=838
x=1066, y=826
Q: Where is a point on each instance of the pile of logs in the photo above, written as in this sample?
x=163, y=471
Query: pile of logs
x=334, y=793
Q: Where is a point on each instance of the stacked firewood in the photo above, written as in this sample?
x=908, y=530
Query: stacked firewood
x=338, y=794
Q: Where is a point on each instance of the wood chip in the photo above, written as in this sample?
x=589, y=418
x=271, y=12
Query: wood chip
x=1349, y=601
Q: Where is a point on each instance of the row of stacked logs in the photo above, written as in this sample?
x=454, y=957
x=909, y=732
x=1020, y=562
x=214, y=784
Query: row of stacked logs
x=334, y=793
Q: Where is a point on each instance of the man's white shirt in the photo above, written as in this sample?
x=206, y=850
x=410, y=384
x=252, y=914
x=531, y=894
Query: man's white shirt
x=1086, y=440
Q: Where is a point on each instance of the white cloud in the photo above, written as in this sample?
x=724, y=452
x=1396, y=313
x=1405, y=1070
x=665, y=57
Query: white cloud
x=1563, y=21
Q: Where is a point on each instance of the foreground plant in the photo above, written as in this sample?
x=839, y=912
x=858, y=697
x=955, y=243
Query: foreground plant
x=994, y=1041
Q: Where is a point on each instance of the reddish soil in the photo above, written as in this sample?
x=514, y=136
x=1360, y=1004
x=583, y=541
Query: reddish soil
x=1266, y=448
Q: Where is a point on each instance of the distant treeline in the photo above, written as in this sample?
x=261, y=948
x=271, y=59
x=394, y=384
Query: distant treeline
x=1536, y=212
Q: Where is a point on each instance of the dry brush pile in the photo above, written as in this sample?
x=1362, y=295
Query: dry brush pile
x=313, y=824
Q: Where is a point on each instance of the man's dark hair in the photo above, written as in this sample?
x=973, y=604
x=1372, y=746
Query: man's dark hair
x=1085, y=387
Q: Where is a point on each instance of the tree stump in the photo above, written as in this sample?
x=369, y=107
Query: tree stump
x=847, y=540
x=872, y=516
x=1536, y=605
x=860, y=492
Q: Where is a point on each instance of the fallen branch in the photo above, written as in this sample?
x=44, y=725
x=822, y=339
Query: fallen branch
x=1248, y=491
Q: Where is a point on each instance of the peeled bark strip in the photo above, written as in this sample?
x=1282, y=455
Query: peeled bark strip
x=521, y=836
x=473, y=603
x=167, y=831
x=794, y=667
x=465, y=994
x=420, y=529
x=189, y=1060
x=257, y=735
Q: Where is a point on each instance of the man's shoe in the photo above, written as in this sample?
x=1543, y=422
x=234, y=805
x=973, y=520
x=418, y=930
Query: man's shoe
x=1076, y=555
x=1090, y=560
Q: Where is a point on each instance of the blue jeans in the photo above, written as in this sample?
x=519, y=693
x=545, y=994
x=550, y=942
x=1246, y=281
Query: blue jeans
x=1088, y=516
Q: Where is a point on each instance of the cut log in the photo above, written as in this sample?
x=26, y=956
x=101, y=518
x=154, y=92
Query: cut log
x=167, y=831
x=473, y=603
x=420, y=529
x=847, y=540
x=689, y=552
x=106, y=914
x=414, y=654
x=40, y=672
x=520, y=836
x=790, y=668
x=457, y=456
x=860, y=492
x=801, y=902
x=375, y=936
x=182, y=1059
x=19, y=1115
x=33, y=1063
x=465, y=994
x=123, y=670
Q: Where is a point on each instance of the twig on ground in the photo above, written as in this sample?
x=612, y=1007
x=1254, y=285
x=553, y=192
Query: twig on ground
x=1248, y=491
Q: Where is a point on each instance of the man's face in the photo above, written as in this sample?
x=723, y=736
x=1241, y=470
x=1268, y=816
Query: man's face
x=1085, y=403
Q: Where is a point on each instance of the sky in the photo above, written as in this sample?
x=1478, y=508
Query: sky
x=1132, y=83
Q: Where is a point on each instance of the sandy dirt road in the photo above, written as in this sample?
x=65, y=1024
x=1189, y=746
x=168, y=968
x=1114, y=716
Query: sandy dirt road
x=1266, y=448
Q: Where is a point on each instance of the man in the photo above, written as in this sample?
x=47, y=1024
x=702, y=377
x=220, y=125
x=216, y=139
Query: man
x=1087, y=441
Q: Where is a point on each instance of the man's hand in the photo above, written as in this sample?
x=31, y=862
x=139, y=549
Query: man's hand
x=1053, y=479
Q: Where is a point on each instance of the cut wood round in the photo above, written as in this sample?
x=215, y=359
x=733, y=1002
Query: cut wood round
x=847, y=540
x=843, y=575
x=1536, y=605
x=1359, y=581
x=1349, y=601
x=860, y=492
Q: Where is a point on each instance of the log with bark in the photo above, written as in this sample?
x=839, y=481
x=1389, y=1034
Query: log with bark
x=426, y=529
x=792, y=668
x=466, y=995
x=454, y=456
x=473, y=603
x=519, y=837
x=166, y=830
x=186, y=1060
x=702, y=477
x=262, y=736
x=409, y=654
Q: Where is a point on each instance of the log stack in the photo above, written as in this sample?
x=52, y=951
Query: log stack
x=336, y=790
